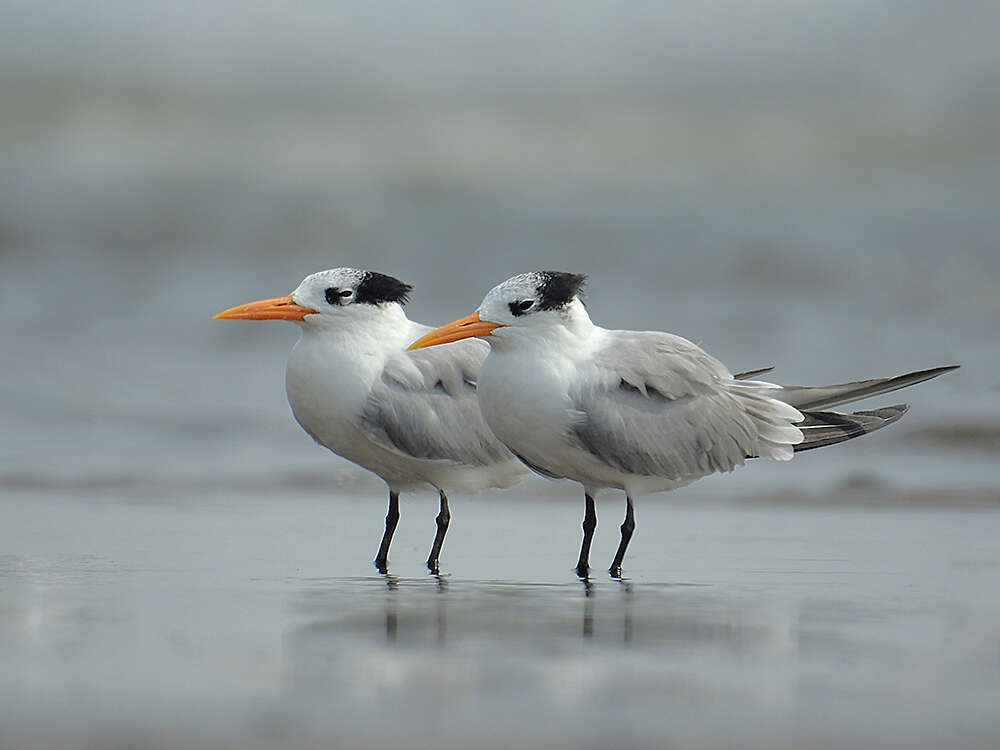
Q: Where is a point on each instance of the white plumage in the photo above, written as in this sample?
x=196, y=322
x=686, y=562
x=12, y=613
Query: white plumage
x=412, y=418
x=640, y=411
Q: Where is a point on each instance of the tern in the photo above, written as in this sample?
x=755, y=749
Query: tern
x=639, y=411
x=412, y=418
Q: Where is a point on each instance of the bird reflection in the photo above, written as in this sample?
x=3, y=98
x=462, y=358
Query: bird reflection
x=392, y=629
x=391, y=624
x=627, y=612
x=442, y=620
x=396, y=627
x=392, y=608
x=410, y=613
x=589, y=597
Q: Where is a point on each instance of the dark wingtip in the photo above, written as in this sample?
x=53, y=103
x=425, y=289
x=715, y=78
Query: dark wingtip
x=922, y=376
x=935, y=371
x=752, y=373
x=888, y=413
x=823, y=428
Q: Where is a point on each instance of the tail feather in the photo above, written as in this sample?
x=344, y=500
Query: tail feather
x=811, y=398
x=821, y=428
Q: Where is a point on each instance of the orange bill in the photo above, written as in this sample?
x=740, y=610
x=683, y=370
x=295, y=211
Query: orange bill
x=279, y=308
x=462, y=328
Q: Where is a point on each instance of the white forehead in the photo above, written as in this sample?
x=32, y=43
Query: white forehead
x=342, y=278
x=522, y=286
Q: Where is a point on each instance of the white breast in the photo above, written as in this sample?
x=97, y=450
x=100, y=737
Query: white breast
x=327, y=389
x=524, y=394
x=329, y=381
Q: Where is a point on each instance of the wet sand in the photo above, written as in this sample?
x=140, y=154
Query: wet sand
x=227, y=621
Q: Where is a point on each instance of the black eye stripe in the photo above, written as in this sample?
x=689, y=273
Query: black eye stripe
x=371, y=289
x=520, y=308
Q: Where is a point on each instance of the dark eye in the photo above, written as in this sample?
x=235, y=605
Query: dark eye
x=335, y=295
x=520, y=308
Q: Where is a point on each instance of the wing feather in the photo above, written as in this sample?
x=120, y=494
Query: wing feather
x=424, y=405
x=658, y=405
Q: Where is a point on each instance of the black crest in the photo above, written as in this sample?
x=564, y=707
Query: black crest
x=377, y=287
x=555, y=289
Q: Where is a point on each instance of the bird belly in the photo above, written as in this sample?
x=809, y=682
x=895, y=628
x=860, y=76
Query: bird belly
x=340, y=434
x=328, y=400
x=526, y=404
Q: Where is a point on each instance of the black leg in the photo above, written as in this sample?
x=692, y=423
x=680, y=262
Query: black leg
x=391, y=519
x=589, y=524
x=443, y=519
x=628, y=526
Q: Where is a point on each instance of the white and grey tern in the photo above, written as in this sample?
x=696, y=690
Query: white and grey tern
x=409, y=417
x=639, y=411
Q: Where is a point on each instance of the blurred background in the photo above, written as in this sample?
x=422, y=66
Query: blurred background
x=811, y=185
x=807, y=185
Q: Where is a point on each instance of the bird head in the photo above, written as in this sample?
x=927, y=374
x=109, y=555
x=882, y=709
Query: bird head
x=327, y=297
x=528, y=301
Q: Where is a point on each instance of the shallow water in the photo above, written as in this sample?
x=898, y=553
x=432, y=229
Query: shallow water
x=250, y=621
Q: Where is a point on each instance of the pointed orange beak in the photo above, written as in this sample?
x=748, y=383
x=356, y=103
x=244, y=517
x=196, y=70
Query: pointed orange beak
x=462, y=328
x=279, y=308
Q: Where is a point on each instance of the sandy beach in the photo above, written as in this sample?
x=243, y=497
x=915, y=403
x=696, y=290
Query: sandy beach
x=251, y=621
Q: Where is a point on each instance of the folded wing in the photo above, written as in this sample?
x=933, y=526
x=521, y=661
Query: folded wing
x=424, y=406
x=658, y=405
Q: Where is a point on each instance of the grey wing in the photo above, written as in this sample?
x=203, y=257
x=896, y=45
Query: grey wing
x=424, y=405
x=658, y=405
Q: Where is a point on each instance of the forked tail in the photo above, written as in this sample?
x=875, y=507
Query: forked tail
x=820, y=428
x=812, y=397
